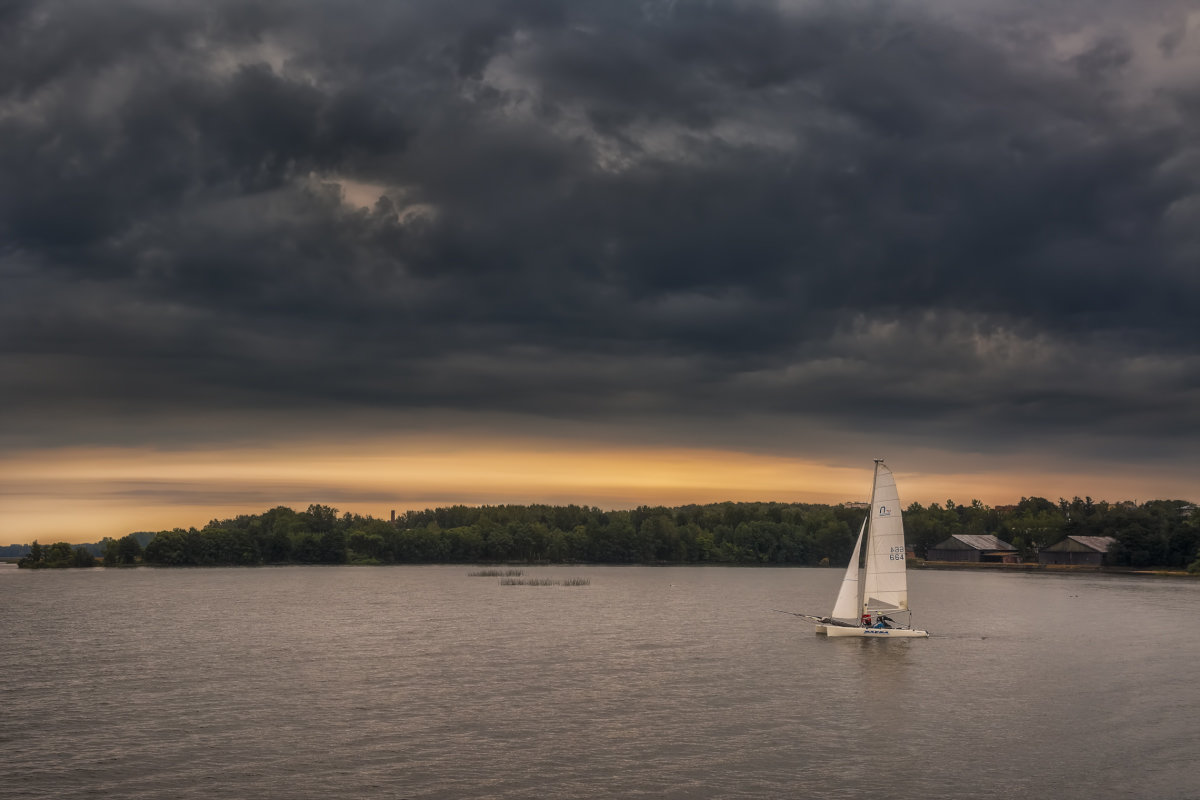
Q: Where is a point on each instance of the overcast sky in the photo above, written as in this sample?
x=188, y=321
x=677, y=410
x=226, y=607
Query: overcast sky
x=944, y=232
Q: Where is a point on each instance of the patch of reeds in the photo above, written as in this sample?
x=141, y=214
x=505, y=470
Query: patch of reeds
x=545, y=582
x=496, y=573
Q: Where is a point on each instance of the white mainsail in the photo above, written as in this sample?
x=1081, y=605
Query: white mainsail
x=846, y=606
x=886, y=584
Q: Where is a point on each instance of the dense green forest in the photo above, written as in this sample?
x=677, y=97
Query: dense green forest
x=1160, y=533
x=57, y=556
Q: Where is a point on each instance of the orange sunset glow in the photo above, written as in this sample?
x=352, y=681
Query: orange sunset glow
x=83, y=495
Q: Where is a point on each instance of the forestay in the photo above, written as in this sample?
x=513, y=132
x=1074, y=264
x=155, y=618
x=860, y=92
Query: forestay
x=846, y=607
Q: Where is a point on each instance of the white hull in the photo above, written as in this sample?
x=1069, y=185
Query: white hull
x=872, y=633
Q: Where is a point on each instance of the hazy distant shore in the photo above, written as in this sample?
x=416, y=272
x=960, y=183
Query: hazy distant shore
x=1055, y=568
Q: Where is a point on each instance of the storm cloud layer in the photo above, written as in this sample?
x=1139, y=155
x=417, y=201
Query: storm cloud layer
x=977, y=221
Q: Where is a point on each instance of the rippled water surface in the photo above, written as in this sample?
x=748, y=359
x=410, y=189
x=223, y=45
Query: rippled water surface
x=423, y=682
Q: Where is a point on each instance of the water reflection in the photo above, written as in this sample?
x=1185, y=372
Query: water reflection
x=422, y=682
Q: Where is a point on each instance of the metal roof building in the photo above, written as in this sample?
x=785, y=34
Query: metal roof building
x=1088, y=550
x=972, y=547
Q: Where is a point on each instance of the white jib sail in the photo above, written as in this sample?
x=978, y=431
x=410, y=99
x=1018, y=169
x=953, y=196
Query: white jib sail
x=886, y=584
x=846, y=606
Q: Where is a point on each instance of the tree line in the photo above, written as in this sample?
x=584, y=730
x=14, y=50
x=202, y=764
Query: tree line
x=1163, y=533
x=726, y=533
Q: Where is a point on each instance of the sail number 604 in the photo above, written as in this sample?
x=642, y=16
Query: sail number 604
x=896, y=554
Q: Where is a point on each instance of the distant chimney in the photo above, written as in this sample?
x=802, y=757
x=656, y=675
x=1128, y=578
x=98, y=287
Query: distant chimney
x=393, y=515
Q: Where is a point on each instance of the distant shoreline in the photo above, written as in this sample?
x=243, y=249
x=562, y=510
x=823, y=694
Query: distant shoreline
x=914, y=564
x=1055, y=568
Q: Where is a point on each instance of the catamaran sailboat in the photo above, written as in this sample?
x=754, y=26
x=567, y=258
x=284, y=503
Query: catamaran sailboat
x=884, y=591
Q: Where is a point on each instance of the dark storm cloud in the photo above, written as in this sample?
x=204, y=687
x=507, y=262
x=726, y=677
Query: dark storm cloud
x=590, y=210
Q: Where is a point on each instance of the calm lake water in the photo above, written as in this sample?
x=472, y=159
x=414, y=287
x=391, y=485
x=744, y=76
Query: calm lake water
x=422, y=682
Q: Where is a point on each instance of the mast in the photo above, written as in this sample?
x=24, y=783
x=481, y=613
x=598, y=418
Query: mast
x=870, y=525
